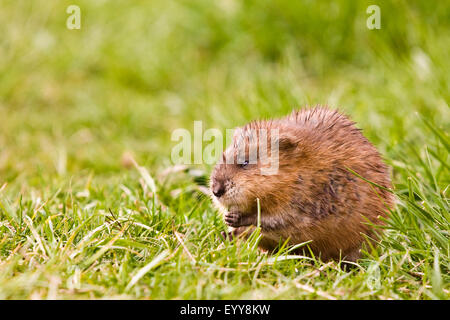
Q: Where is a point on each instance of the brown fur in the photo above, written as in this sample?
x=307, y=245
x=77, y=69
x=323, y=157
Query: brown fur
x=313, y=196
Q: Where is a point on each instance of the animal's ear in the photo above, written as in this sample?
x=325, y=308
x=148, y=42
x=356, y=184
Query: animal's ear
x=287, y=141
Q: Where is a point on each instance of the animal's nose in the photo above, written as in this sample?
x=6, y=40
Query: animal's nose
x=218, y=189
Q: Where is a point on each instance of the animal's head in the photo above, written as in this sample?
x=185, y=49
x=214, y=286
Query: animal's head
x=258, y=164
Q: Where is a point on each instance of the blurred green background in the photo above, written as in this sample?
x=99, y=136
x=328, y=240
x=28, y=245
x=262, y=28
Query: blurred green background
x=74, y=102
x=137, y=70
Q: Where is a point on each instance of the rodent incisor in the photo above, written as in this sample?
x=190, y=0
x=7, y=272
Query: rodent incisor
x=313, y=195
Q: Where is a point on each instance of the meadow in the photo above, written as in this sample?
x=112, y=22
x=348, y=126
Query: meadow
x=91, y=205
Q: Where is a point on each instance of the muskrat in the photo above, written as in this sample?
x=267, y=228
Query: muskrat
x=319, y=191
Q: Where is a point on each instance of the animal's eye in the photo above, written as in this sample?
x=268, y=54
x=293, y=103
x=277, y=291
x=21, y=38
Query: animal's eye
x=244, y=164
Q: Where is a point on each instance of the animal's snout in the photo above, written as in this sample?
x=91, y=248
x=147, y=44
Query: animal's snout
x=218, y=188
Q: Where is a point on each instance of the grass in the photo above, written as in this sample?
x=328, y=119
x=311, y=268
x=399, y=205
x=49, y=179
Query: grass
x=78, y=221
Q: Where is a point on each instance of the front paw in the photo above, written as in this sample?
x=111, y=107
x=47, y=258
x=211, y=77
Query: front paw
x=233, y=219
x=236, y=219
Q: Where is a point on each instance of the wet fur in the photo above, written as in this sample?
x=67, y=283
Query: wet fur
x=313, y=196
